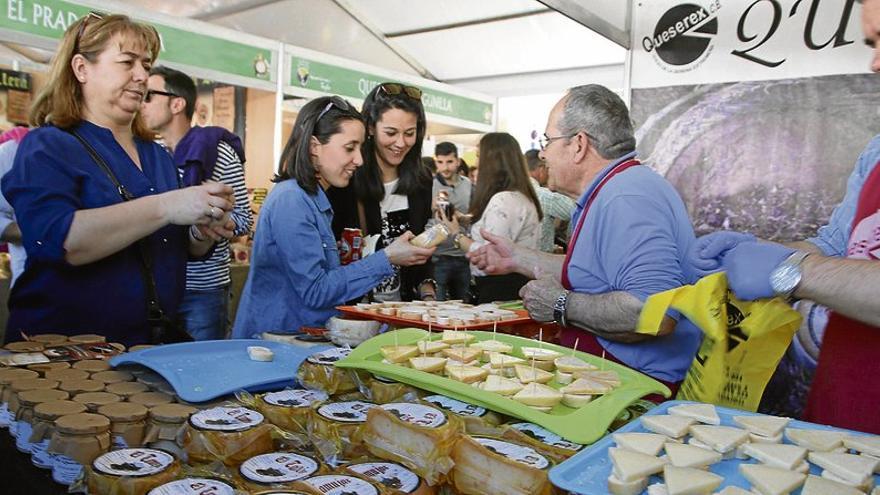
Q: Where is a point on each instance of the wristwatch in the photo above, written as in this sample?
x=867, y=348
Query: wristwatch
x=784, y=279
x=559, y=308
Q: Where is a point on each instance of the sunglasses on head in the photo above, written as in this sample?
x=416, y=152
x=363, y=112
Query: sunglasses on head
x=337, y=102
x=151, y=92
x=394, y=89
x=82, y=27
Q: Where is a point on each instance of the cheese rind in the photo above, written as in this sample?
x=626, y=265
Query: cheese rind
x=771, y=481
x=690, y=481
x=704, y=413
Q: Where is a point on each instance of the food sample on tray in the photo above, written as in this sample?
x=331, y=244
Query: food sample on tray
x=487, y=465
x=854, y=470
x=816, y=440
x=539, y=396
x=317, y=372
x=431, y=346
x=466, y=374
x=527, y=374
x=683, y=481
x=571, y=364
x=771, y=481
x=783, y=456
x=816, y=485
x=722, y=439
x=490, y=346
x=671, y=426
x=688, y=456
x=765, y=426
x=397, y=354
x=448, y=313
x=428, y=364
x=501, y=386
x=703, y=413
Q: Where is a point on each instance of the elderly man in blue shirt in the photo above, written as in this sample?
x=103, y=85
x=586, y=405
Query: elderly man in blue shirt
x=631, y=235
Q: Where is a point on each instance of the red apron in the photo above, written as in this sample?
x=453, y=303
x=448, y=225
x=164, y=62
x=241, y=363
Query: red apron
x=846, y=388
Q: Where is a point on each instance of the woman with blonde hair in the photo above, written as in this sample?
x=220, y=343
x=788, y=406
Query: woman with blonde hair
x=503, y=203
x=106, y=229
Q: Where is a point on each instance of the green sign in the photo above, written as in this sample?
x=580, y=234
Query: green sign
x=12, y=79
x=50, y=18
x=333, y=79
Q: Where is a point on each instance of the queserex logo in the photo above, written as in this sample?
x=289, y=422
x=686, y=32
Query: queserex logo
x=683, y=36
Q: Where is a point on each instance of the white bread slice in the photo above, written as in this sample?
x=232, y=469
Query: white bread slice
x=771, y=481
x=585, y=386
x=539, y=354
x=866, y=444
x=852, y=468
x=720, y=438
x=690, y=481
x=463, y=354
x=453, y=337
x=815, y=440
x=782, y=456
x=397, y=354
x=499, y=360
x=631, y=466
x=873, y=459
x=466, y=374
x=816, y=485
x=704, y=413
x=570, y=364
x=734, y=490
x=575, y=401
x=617, y=487
x=488, y=346
x=724, y=456
x=428, y=364
x=608, y=376
x=762, y=439
x=671, y=426
x=767, y=426
x=657, y=489
x=864, y=486
x=543, y=365
x=431, y=346
x=563, y=378
x=681, y=455
x=500, y=385
x=536, y=394
x=527, y=374
x=646, y=443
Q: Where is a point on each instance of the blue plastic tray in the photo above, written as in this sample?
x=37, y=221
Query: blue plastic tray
x=201, y=371
x=587, y=471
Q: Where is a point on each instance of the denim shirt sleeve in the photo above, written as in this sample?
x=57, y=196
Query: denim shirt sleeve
x=833, y=237
x=311, y=259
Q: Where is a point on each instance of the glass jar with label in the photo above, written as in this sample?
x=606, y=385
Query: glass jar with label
x=112, y=376
x=25, y=346
x=126, y=389
x=94, y=400
x=276, y=470
x=194, y=486
x=66, y=374
x=7, y=376
x=92, y=365
x=394, y=478
x=127, y=423
x=289, y=409
x=230, y=435
x=131, y=471
x=319, y=373
x=151, y=399
x=87, y=338
x=77, y=440
x=19, y=386
x=24, y=415
x=45, y=415
x=42, y=368
x=336, y=429
x=166, y=426
x=49, y=339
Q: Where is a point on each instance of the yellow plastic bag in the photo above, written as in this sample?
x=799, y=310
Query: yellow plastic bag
x=743, y=341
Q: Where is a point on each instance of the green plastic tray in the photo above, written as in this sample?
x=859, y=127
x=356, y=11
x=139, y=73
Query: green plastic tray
x=584, y=425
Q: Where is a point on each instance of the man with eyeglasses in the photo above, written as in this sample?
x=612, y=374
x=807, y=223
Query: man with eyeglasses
x=631, y=235
x=201, y=154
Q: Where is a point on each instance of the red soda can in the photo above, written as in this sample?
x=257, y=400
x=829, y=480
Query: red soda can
x=351, y=246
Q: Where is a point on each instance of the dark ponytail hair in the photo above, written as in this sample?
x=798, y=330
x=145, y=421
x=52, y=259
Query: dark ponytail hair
x=368, y=184
x=321, y=118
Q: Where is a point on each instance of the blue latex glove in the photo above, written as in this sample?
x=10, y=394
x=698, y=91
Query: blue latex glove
x=705, y=254
x=748, y=267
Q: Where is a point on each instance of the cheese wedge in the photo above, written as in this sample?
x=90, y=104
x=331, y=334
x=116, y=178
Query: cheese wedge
x=853, y=468
x=864, y=486
x=681, y=455
x=397, y=354
x=646, y=443
x=782, y=456
x=720, y=438
x=488, y=346
x=762, y=439
x=631, y=466
x=431, y=346
x=608, y=376
x=690, y=481
x=543, y=365
x=452, y=362
x=767, y=426
x=816, y=485
x=585, y=386
x=575, y=401
x=539, y=354
x=734, y=490
x=536, y=394
x=466, y=374
x=867, y=444
x=500, y=385
x=617, y=487
x=428, y=364
x=671, y=426
x=872, y=459
x=463, y=354
x=499, y=360
x=704, y=413
x=528, y=375
x=658, y=489
x=815, y=440
x=563, y=378
x=453, y=337
x=771, y=481
x=570, y=364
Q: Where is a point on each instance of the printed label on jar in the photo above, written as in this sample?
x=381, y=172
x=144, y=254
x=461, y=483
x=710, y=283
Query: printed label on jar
x=546, y=436
x=341, y=485
x=347, y=412
x=456, y=406
x=226, y=419
x=330, y=356
x=193, y=486
x=518, y=453
x=278, y=467
x=133, y=462
x=392, y=475
x=65, y=470
x=417, y=414
x=295, y=398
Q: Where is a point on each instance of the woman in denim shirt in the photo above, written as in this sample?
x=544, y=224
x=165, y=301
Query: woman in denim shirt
x=296, y=278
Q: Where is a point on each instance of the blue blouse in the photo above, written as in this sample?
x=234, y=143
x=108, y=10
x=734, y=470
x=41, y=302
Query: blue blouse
x=53, y=176
x=295, y=277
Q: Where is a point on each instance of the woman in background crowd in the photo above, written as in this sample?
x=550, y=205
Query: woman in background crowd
x=295, y=277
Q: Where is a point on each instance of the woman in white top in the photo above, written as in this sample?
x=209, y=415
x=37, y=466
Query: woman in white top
x=505, y=204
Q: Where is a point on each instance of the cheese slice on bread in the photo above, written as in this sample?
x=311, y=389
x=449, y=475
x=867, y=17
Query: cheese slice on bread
x=538, y=395
x=527, y=374
x=570, y=364
x=500, y=385
x=499, y=360
x=431, y=346
x=428, y=364
x=539, y=353
x=466, y=374
x=453, y=337
x=463, y=354
x=397, y=354
x=488, y=346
